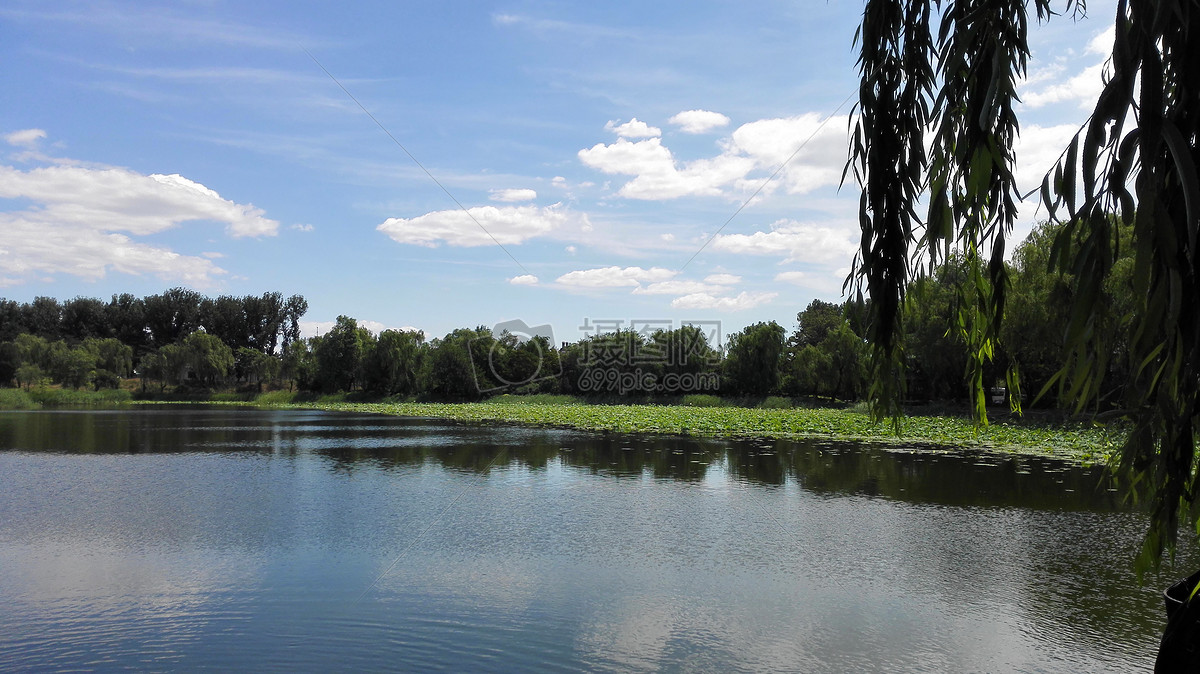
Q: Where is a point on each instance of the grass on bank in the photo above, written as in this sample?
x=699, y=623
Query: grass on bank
x=39, y=397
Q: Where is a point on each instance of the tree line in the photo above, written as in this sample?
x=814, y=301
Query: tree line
x=182, y=339
x=173, y=337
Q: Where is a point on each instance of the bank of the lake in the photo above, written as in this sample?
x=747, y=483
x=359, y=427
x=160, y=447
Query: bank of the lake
x=1075, y=441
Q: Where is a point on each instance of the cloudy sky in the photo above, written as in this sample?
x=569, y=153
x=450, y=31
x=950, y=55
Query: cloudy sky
x=569, y=164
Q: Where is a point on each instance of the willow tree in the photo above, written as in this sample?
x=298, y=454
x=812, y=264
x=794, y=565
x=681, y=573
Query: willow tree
x=933, y=153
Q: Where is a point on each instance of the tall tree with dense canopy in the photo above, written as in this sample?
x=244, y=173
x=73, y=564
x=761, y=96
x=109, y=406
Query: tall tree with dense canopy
x=210, y=359
x=754, y=360
x=394, y=364
x=339, y=355
x=936, y=122
x=171, y=316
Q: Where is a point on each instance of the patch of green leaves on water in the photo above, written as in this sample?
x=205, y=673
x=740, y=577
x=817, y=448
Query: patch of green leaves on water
x=1077, y=442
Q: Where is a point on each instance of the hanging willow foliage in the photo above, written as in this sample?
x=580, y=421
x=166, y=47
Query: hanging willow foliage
x=936, y=122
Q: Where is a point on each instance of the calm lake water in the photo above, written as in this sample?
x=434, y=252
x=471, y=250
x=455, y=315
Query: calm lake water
x=234, y=539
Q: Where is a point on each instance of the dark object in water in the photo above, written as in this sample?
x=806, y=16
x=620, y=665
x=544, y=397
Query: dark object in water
x=1179, y=650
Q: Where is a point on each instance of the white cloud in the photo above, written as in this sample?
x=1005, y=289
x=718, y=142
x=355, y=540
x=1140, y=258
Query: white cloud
x=83, y=221
x=36, y=247
x=819, y=150
x=699, y=121
x=743, y=301
x=116, y=199
x=827, y=283
x=794, y=241
x=571, y=250
x=1037, y=150
x=656, y=174
x=723, y=279
x=1102, y=44
x=25, y=137
x=634, y=128
x=758, y=147
x=506, y=224
x=524, y=280
x=512, y=195
x=799, y=278
x=614, y=277
x=302, y=228
x=1083, y=88
x=676, y=288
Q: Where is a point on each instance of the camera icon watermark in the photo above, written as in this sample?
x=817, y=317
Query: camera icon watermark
x=514, y=355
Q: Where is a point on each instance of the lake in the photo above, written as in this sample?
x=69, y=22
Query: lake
x=218, y=538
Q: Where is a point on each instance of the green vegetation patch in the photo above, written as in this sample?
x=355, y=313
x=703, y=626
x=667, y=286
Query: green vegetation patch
x=1074, y=441
x=38, y=397
x=16, y=399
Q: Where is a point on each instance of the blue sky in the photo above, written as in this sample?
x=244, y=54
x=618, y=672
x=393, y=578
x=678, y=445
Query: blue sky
x=197, y=143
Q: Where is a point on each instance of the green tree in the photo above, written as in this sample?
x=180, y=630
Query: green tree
x=529, y=365
x=299, y=365
x=448, y=372
x=815, y=323
x=209, y=358
x=685, y=350
x=127, y=318
x=225, y=318
x=84, y=317
x=29, y=374
x=962, y=85
x=754, y=359
x=255, y=367
x=10, y=360
x=806, y=372
x=935, y=355
x=293, y=310
x=43, y=317
x=73, y=367
x=12, y=320
x=265, y=319
x=845, y=354
x=172, y=315
x=155, y=366
x=111, y=355
x=32, y=350
x=824, y=355
x=339, y=355
x=394, y=365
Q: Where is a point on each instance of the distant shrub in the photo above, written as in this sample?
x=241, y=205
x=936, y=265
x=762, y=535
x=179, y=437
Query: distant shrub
x=57, y=397
x=276, y=398
x=776, y=403
x=860, y=408
x=16, y=399
x=702, y=400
